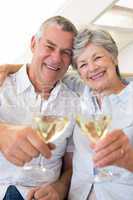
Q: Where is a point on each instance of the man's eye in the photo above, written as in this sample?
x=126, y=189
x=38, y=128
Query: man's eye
x=68, y=53
x=49, y=47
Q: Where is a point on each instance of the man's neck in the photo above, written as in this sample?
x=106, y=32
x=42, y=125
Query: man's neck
x=42, y=88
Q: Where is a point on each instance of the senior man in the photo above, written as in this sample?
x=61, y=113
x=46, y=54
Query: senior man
x=52, y=50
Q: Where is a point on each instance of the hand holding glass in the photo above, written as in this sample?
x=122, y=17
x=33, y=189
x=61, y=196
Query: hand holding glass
x=49, y=128
x=95, y=122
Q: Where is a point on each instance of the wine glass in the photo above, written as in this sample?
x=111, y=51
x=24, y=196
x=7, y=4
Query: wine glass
x=95, y=122
x=50, y=126
x=50, y=123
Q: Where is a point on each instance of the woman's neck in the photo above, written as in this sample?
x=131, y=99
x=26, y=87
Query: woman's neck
x=115, y=88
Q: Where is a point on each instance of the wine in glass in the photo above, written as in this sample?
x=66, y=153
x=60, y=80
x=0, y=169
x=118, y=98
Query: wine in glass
x=95, y=126
x=49, y=127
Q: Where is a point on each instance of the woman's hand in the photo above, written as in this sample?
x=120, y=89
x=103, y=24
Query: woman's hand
x=114, y=149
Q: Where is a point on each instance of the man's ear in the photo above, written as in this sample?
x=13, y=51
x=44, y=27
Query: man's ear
x=33, y=43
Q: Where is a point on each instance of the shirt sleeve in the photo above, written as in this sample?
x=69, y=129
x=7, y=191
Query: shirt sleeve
x=129, y=132
x=73, y=82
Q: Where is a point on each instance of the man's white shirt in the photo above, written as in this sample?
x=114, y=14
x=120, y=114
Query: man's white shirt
x=18, y=97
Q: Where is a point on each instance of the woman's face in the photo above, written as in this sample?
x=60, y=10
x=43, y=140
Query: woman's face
x=96, y=67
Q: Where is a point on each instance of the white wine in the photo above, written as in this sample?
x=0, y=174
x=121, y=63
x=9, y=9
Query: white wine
x=95, y=128
x=50, y=127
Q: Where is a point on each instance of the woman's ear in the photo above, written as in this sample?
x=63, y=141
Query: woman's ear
x=116, y=61
x=33, y=44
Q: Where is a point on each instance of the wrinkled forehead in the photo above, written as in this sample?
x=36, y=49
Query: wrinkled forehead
x=91, y=50
x=59, y=37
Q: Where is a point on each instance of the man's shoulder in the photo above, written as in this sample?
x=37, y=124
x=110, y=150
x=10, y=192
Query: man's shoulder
x=8, y=82
x=71, y=76
x=74, y=82
x=11, y=80
x=67, y=91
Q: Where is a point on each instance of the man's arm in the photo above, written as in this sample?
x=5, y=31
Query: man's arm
x=7, y=69
x=59, y=189
x=21, y=144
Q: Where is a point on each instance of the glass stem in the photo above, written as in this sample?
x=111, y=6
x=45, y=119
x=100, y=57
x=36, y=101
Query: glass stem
x=95, y=171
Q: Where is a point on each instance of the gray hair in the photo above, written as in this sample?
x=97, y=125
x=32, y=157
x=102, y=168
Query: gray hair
x=64, y=23
x=98, y=37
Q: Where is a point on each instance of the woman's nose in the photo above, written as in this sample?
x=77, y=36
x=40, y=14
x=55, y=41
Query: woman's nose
x=92, y=66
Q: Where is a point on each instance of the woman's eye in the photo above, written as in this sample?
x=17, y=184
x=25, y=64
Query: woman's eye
x=97, y=58
x=83, y=65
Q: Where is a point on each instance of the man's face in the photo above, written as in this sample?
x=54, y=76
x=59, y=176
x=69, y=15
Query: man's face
x=51, y=55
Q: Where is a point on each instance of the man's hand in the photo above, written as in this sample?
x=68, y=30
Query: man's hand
x=21, y=144
x=57, y=190
x=115, y=149
x=49, y=192
x=7, y=69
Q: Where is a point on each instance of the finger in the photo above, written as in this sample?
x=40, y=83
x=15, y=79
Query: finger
x=51, y=146
x=42, y=192
x=106, y=151
x=120, y=143
x=21, y=155
x=47, y=197
x=15, y=160
x=111, y=159
x=55, y=196
x=39, y=144
x=31, y=193
x=29, y=149
x=109, y=139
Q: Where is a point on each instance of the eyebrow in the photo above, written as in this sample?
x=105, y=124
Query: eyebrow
x=81, y=61
x=66, y=49
x=51, y=43
x=84, y=60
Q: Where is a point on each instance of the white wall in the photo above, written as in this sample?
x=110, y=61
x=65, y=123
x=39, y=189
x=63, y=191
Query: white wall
x=83, y=12
x=21, y=21
x=126, y=59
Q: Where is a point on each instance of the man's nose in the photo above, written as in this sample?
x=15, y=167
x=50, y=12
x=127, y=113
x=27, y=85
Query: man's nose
x=56, y=57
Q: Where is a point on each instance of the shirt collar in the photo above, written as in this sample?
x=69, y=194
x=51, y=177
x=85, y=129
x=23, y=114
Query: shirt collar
x=23, y=82
x=55, y=91
x=123, y=96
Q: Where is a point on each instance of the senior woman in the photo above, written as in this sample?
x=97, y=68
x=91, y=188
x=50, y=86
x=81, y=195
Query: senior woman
x=95, y=58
